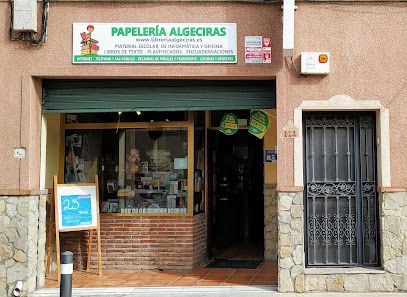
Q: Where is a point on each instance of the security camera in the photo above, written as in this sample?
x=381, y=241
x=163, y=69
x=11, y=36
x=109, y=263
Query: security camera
x=17, y=289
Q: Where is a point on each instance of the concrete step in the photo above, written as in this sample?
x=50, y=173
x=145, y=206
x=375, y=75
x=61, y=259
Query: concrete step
x=235, y=291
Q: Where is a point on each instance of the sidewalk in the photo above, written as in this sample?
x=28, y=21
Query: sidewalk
x=233, y=291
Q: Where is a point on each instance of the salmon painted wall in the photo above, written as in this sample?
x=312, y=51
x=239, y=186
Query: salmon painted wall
x=23, y=66
x=368, y=46
x=367, y=42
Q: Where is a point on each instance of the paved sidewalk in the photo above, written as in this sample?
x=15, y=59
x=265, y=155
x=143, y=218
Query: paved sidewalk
x=233, y=291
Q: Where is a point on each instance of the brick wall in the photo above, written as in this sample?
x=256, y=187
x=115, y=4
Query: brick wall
x=76, y=243
x=200, y=240
x=134, y=243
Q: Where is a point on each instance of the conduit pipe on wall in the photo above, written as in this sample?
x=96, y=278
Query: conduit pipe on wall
x=288, y=27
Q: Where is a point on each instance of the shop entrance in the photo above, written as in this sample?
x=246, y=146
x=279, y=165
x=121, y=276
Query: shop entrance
x=236, y=200
x=173, y=188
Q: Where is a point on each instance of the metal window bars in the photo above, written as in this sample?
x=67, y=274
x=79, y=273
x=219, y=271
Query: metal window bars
x=340, y=197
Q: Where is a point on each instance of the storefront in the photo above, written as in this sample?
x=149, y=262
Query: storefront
x=176, y=190
x=330, y=212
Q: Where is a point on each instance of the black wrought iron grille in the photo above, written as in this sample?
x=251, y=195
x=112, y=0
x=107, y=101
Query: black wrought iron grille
x=340, y=196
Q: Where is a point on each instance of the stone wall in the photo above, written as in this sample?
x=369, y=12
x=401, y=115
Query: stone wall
x=347, y=280
x=22, y=242
x=290, y=242
x=294, y=277
x=270, y=222
x=394, y=237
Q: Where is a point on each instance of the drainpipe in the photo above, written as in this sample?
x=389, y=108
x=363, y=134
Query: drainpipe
x=288, y=27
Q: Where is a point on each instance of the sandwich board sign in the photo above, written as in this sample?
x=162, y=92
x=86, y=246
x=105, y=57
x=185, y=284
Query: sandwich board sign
x=75, y=207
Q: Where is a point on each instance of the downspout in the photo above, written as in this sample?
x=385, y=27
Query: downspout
x=288, y=27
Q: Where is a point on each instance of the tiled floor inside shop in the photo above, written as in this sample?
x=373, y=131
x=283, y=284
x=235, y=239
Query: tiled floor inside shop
x=264, y=274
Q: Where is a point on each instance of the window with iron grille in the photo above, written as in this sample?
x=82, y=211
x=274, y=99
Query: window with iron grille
x=341, y=207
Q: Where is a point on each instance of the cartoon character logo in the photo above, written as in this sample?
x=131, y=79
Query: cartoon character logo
x=89, y=45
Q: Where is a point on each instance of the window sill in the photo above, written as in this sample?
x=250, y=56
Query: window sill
x=153, y=214
x=344, y=270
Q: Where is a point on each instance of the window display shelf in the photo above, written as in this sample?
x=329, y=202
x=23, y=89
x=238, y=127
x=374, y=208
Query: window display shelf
x=144, y=169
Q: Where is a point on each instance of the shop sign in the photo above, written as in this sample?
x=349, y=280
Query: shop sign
x=77, y=207
x=154, y=43
x=257, y=50
x=258, y=123
x=229, y=124
x=266, y=50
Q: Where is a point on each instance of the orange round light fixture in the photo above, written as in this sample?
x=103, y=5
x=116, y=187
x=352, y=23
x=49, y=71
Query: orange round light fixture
x=323, y=58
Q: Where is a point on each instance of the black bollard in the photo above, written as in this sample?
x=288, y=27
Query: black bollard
x=65, y=288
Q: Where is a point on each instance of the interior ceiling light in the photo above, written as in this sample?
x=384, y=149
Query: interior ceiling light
x=138, y=112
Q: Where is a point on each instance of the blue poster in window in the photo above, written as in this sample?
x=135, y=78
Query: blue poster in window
x=76, y=210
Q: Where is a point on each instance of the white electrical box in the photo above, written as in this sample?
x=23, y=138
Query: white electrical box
x=25, y=16
x=315, y=62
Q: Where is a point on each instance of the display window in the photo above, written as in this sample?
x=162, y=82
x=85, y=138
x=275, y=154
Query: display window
x=143, y=168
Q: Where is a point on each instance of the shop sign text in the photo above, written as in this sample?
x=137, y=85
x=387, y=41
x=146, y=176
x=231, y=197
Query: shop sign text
x=154, y=43
x=257, y=50
x=258, y=123
x=229, y=124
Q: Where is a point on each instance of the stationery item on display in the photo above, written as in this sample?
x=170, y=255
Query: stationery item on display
x=155, y=184
x=111, y=186
x=80, y=165
x=128, y=192
x=159, y=160
x=180, y=202
x=144, y=204
x=113, y=207
x=173, y=187
x=75, y=140
x=144, y=168
x=105, y=206
x=85, y=153
x=147, y=182
x=121, y=203
x=171, y=201
x=183, y=184
x=180, y=163
x=158, y=175
x=81, y=177
x=71, y=169
x=197, y=180
x=137, y=182
x=133, y=160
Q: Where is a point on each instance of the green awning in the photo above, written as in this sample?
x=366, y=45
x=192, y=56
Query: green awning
x=79, y=96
